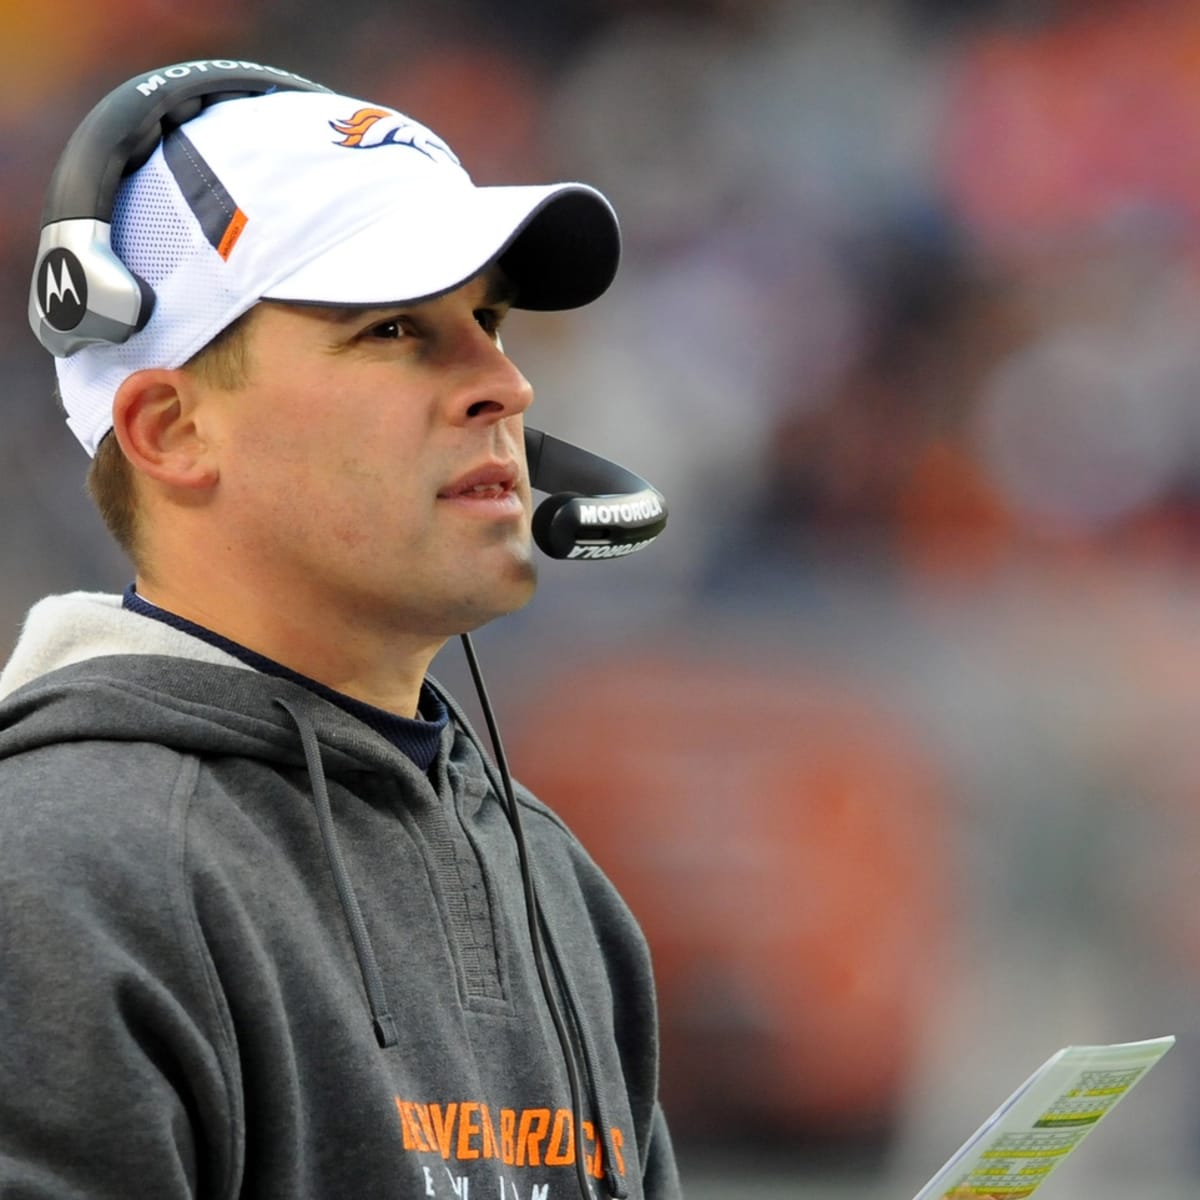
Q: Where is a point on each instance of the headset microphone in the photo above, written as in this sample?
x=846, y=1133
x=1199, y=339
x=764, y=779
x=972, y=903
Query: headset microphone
x=597, y=509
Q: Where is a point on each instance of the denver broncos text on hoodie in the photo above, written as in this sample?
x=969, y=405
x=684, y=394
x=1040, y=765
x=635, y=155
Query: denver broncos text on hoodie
x=250, y=950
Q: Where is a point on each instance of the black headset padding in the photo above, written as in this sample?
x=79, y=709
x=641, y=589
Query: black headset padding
x=121, y=132
x=558, y=466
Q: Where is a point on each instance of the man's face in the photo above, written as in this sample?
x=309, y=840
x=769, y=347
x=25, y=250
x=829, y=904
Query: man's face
x=373, y=462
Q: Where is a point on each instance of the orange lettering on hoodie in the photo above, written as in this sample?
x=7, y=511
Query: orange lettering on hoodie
x=529, y=1138
x=592, y=1160
x=489, y=1132
x=412, y=1131
x=561, y=1150
x=443, y=1125
x=466, y=1127
x=618, y=1140
x=508, y=1128
x=421, y=1111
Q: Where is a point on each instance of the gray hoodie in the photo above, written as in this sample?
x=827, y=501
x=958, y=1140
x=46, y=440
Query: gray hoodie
x=250, y=950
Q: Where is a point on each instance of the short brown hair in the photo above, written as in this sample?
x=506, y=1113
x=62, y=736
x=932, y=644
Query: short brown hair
x=222, y=363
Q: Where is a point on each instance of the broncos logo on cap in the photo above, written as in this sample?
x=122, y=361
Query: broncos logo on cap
x=369, y=128
x=355, y=129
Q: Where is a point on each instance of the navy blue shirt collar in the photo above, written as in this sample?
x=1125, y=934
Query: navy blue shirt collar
x=418, y=739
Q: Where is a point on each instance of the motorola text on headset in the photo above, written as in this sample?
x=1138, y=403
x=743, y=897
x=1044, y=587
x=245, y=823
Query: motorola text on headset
x=596, y=509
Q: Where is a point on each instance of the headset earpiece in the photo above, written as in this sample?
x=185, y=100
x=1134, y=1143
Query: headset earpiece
x=81, y=292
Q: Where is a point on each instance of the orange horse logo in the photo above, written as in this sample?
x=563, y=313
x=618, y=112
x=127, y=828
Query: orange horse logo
x=370, y=128
x=355, y=129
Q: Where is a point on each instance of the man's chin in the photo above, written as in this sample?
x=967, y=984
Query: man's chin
x=506, y=592
x=521, y=584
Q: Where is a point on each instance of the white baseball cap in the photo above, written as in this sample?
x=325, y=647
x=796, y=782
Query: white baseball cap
x=314, y=197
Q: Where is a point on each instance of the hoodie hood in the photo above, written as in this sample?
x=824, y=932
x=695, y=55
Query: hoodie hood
x=63, y=630
x=84, y=667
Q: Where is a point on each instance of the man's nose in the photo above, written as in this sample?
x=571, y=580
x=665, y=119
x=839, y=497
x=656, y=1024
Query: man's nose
x=491, y=386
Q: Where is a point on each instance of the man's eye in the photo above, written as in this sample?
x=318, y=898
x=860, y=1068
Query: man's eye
x=388, y=330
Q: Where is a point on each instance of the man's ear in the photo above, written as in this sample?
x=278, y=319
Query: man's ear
x=154, y=419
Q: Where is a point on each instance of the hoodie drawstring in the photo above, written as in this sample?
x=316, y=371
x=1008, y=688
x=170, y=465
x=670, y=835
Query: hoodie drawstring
x=612, y=1180
x=539, y=929
x=368, y=964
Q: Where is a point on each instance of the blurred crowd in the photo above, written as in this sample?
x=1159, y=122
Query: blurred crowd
x=890, y=739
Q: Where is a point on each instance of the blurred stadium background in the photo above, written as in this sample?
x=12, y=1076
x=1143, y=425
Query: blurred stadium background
x=892, y=741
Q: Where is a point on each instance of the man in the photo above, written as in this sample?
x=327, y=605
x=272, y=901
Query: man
x=268, y=929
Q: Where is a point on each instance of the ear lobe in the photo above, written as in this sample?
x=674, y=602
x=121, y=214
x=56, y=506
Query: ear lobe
x=155, y=422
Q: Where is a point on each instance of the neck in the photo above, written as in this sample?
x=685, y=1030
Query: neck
x=384, y=667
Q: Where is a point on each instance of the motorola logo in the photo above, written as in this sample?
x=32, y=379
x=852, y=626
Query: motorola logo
x=62, y=289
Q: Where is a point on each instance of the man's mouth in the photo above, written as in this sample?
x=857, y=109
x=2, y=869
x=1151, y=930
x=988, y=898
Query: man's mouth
x=483, y=489
x=493, y=487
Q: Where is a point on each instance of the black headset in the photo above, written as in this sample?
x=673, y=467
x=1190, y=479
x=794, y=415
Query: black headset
x=82, y=294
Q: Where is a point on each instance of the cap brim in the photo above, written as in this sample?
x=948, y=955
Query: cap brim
x=558, y=244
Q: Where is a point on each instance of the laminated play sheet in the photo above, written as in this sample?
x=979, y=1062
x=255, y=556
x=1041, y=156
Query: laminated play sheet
x=1019, y=1145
